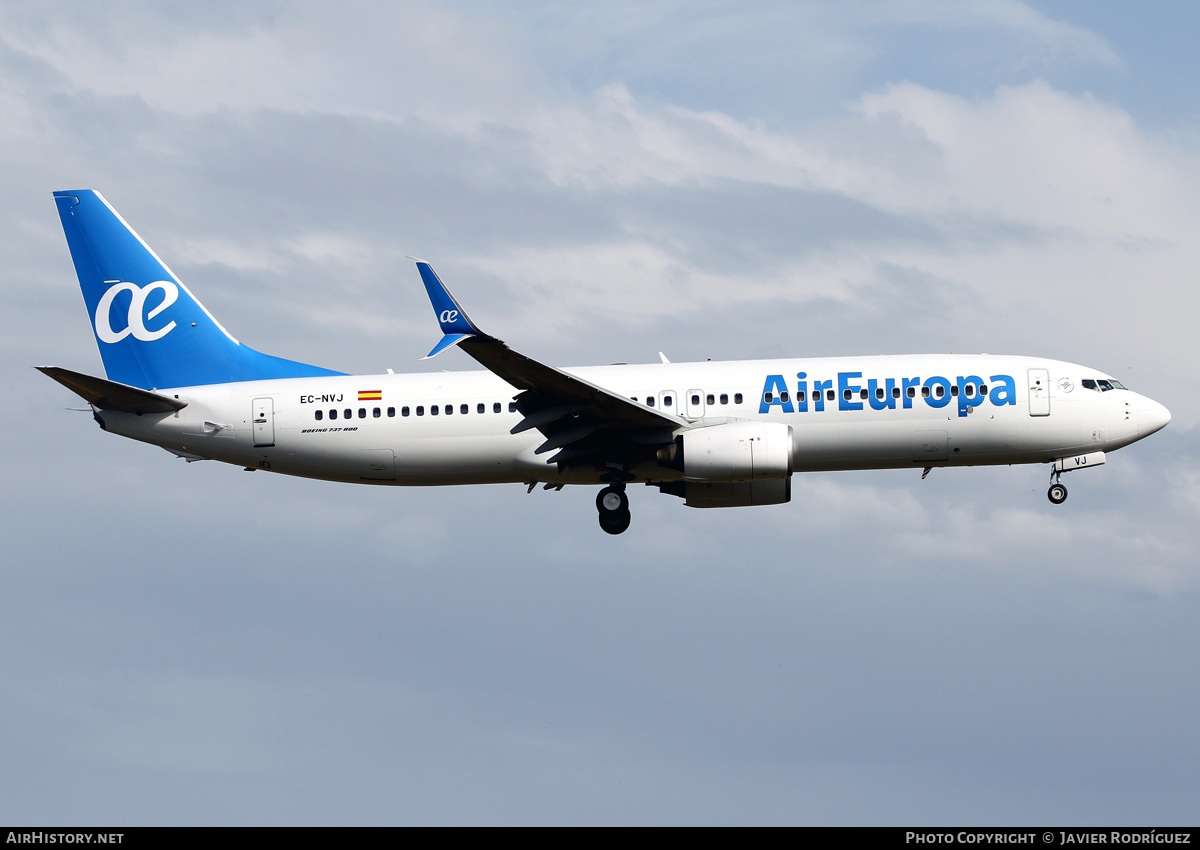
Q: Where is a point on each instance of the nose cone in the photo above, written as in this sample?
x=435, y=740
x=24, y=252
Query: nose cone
x=1152, y=417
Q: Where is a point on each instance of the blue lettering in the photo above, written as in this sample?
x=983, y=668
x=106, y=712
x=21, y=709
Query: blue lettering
x=975, y=399
x=773, y=383
x=970, y=390
x=881, y=403
x=819, y=388
x=801, y=392
x=843, y=386
x=933, y=400
x=1004, y=390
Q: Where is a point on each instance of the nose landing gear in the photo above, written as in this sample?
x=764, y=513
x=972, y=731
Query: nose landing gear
x=1057, y=494
x=613, y=505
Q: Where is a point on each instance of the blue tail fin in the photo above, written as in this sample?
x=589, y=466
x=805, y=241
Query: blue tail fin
x=151, y=331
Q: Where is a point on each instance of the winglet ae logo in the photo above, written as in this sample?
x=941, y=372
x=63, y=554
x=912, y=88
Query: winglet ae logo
x=136, y=322
x=448, y=317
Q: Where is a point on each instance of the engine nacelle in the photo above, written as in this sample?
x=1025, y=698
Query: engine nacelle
x=742, y=494
x=736, y=451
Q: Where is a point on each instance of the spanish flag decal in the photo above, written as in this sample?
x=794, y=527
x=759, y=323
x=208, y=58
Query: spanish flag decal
x=370, y=395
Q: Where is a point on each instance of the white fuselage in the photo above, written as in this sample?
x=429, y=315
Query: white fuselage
x=845, y=413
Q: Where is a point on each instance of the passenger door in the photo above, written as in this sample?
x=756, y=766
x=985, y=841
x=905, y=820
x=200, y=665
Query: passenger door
x=263, y=422
x=1039, y=392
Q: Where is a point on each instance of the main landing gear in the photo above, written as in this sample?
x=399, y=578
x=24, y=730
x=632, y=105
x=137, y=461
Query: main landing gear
x=613, y=505
x=1057, y=494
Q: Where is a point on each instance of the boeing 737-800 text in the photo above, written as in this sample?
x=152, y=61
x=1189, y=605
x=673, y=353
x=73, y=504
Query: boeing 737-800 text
x=722, y=434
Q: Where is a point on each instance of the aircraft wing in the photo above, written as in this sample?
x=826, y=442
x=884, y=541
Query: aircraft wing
x=587, y=423
x=109, y=395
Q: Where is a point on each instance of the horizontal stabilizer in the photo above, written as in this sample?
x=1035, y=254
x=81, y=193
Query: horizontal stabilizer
x=109, y=395
x=190, y=457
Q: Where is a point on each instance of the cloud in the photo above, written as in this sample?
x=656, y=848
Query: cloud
x=1044, y=38
x=368, y=59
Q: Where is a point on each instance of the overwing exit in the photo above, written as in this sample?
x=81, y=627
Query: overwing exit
x=725, y=434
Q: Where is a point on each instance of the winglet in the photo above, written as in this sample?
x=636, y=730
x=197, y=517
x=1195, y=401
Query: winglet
x=456, y=325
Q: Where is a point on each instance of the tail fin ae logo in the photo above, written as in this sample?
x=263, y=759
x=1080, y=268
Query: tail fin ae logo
x=448, y=316
x=136, y=323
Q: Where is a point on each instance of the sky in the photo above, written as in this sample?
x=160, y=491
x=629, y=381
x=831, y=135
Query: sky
x=189, y=644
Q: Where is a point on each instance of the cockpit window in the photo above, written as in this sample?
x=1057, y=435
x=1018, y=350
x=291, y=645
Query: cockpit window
x=1102, y=385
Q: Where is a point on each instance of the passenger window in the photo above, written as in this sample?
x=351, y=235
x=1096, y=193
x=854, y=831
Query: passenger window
x=420, y=410
x=879, y=393
x=847, y=395
x=954, y=390
x=403, y=411
x=649, y=401
x=695, y=399
x=362, y=413
x=319, y=415
x=830, y=395
x=479, y=407
x=512, y=407
x=668, y=401
x=737, y=398
x=862, y=394
x=464, y=409
x=376, y=413
x=347, y=413
x=983, y=390
x=391, y=412
x=941, y=391
x=434, y=410
x=333, y=414
x=895, y=392
x=449, y=409
x=912, y=392
x=816, y=395
x=768, y=397
x=496, y=407
x=925, y=392
x=724, y=398
x=784, y=397
x=709, y=399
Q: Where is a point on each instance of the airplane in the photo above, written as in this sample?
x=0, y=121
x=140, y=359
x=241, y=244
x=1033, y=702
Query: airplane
x=716, y=434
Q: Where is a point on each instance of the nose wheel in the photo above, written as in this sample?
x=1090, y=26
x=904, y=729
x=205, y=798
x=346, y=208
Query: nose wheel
x=1057, y=494
x=613, y=505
